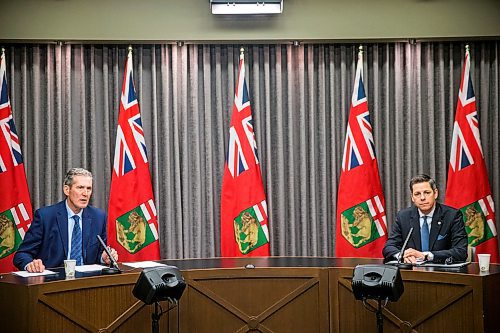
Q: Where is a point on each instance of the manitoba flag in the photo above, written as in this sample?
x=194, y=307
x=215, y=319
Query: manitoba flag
x=468, y=187
x=244, y=221
x=361, y=228
x=15, y=203
x=132, y=216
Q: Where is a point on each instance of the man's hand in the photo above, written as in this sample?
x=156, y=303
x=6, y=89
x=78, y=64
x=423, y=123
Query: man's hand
x=36, y=266
x=105, y=256
x=411, y=256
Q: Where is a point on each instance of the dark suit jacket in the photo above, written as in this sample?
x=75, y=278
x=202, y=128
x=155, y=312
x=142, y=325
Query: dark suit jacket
x=447, y=238
x=47, y=237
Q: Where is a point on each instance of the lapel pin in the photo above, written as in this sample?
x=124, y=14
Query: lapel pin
x=439, y=222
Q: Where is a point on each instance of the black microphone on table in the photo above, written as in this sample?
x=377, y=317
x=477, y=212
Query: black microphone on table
x=401, y=264
x=113, y=265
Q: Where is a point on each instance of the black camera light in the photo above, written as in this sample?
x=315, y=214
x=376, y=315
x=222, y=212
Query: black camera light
x=155, y=284
x=382, y=283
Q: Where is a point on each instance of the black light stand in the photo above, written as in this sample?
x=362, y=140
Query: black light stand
x=155, y=318
x=378, y=282
x=157, y=284
x=156, y=315
x=378, y=314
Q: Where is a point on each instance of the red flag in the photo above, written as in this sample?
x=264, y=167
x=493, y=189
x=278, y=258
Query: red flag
x=244, y=221
x=468, y=187
x=132, y=217
x=15, y=204
x=361, y=222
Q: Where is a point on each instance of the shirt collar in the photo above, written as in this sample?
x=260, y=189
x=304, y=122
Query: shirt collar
x=70, y=212
x=431, y=213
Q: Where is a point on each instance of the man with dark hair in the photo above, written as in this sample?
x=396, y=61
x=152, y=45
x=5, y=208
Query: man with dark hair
x=66, y=230
x=438, y=230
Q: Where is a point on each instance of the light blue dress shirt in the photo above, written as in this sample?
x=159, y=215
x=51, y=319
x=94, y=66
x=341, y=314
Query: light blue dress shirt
x=71, y=225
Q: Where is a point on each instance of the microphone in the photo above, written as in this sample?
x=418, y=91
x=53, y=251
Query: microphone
x=400, y=262
x=113, y=266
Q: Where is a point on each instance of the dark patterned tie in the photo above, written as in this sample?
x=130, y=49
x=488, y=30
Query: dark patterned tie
x=424, y=235
x=76, y=241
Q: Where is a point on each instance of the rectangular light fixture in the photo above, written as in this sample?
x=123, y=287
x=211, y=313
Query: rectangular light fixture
x=241, y=7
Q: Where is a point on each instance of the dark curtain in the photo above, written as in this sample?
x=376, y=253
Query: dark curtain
x=65, y=101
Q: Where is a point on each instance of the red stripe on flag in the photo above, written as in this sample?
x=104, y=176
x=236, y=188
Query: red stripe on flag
x=24, y=221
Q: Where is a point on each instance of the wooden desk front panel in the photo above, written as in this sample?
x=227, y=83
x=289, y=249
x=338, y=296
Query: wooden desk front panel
x=229, y=298
x=102, y=303
x=431, y=302
x=261, y=299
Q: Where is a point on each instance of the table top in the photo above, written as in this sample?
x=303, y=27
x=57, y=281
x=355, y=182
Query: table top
x=249, y=263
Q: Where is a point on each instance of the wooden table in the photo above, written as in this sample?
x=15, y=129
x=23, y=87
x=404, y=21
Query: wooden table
x=280, y=294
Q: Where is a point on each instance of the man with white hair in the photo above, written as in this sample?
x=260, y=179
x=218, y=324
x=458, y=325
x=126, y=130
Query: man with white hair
x=66, y=230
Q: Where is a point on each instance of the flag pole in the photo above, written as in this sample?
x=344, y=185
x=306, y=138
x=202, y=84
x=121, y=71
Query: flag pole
x=360, y=58
x=467, y=48
x=360, y=61
x=242, y=52
x=129, y=50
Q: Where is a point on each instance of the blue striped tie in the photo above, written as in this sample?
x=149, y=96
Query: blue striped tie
x=76, y=241
x=424, y=235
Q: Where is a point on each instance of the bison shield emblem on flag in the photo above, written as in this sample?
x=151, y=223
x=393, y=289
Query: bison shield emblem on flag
x=358, y=225
x=9, y=237
x=133, y=231
x=248, y=231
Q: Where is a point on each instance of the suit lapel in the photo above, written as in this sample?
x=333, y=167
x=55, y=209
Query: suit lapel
x=62, y=224
x=415, y=223
x=436, y=225
x=86, y=227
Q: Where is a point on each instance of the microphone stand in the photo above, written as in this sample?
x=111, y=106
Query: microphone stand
x=113, y=266
x=401, y=264
x=404, y=265
x=110, y=270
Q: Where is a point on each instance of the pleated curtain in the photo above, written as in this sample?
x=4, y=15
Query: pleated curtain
x=65, y=100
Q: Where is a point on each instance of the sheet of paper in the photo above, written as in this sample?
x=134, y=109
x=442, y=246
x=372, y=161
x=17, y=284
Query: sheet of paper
x=143, y=264
x=89, y=268
x=431, y=264
x=28, y=274
x=454, y=265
